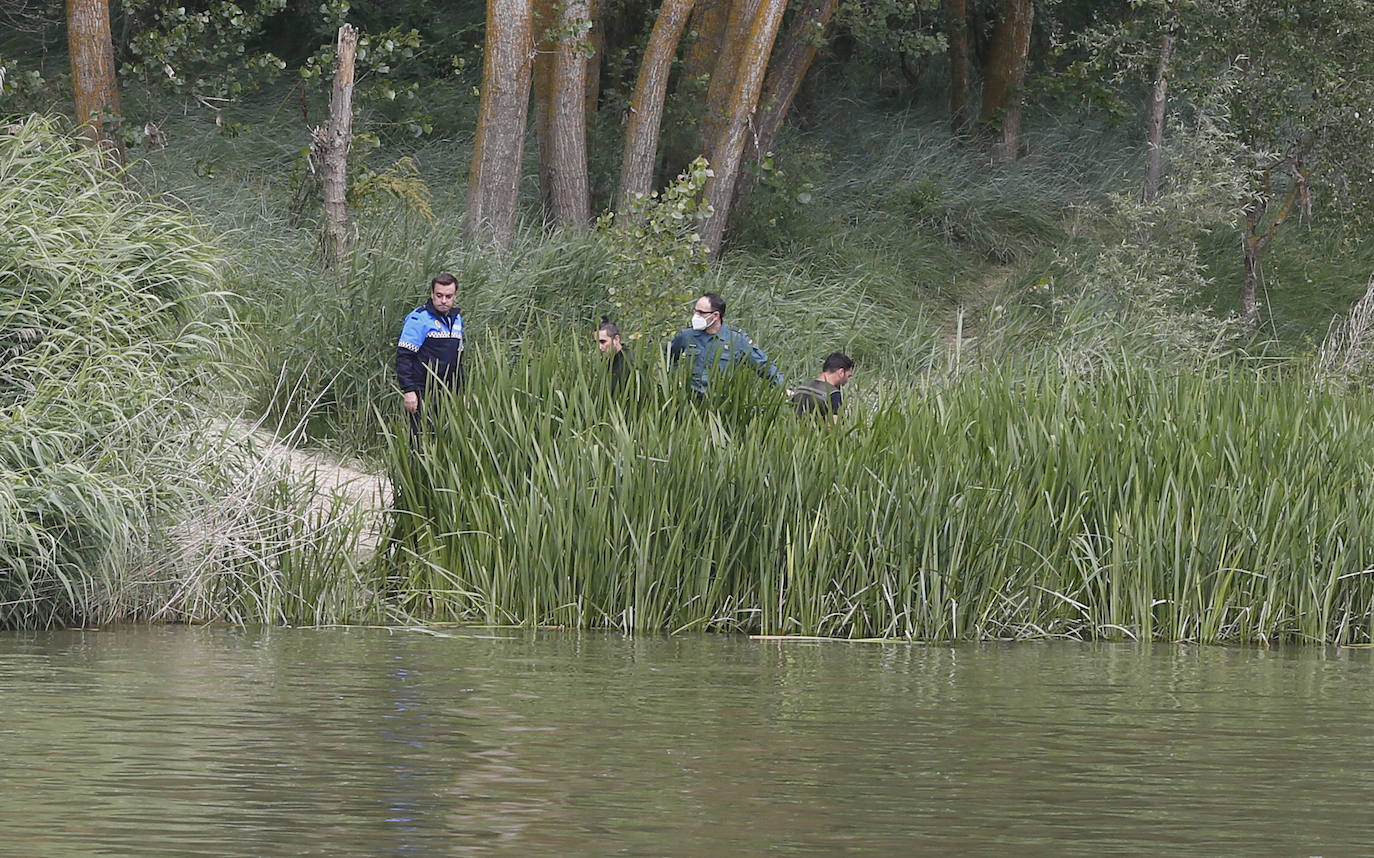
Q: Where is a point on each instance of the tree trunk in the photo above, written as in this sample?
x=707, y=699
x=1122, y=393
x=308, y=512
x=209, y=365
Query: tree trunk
x=94, y=85
x=571, y=192
x=743, y=101
x=707, y=31
x=646, y=106
x=744, y=14
x=545, y=22
x=560, y=97
x=792, y=60
x=596, y=38
x=494, y=184
x=956, y=26
x=338, y=138
x=1154, y=153
x=1000, y=118
x=1249, y=290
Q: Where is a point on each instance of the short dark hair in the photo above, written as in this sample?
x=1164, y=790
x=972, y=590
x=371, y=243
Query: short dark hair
x=609, y=328
x=444, y=279
x=717, y=303
x=837, y=360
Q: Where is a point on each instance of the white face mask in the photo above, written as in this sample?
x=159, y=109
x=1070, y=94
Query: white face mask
x=700, y=322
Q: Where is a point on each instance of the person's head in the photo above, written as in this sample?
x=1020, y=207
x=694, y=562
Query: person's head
x=443, y=290
x=708, y=314
x=837, y=369
x=608, y=336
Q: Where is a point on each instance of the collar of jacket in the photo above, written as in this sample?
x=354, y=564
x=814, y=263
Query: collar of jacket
x=452, y=314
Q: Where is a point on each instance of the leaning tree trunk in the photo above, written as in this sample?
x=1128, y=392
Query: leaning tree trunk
x=337, y=139
x=1254, y=240
x=729, y=148
x=956, y=24
x=494, y=184
x=709, y=18
x=792, y=60
x=646, y=106
x=94, y=85
x=1000, y=118
x=744, y=15
x=1154, y=153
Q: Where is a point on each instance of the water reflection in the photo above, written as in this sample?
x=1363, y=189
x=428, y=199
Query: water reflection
x=177, y=741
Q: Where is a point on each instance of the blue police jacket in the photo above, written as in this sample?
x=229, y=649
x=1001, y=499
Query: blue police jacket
x=719, y=352
x=431, y=346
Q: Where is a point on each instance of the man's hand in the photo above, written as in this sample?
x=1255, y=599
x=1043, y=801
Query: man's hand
x=412, y=401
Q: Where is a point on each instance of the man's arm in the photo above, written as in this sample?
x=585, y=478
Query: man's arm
x=676, y=347
x=763, y=366
x=410, y=372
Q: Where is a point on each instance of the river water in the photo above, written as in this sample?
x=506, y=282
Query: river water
x=373, y=742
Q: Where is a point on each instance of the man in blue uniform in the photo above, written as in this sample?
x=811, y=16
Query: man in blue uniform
x=716, y=347
x=429, y=354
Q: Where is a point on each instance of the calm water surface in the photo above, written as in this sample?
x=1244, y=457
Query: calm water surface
x=214, y=741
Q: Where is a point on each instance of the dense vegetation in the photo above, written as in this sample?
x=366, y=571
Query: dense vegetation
x=1061, y=425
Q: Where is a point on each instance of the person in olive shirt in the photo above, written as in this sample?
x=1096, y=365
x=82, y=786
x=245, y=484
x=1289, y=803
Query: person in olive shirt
x=821, y=395
x=716, y=347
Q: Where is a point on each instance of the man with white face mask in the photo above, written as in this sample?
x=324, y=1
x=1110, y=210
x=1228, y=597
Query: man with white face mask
x=717, y=347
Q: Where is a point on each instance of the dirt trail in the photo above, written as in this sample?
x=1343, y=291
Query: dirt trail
x=368, y=493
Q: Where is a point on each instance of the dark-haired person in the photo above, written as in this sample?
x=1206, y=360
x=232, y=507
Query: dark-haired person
x=608, y=340
x=821, y=395
x=429, y=353
x=717, y=347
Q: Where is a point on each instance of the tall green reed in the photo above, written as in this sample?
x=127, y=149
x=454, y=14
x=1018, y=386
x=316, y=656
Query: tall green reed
x=1206, y=503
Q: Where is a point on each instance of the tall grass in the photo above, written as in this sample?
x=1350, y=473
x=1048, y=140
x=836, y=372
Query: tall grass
x=1210, y=503
x=101, y=325
x=113, y=340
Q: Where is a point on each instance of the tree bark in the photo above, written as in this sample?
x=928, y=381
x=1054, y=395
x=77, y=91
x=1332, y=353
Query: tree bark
x=1249, y=290
x=646, y=105
x=560, y=98
x=744, y=14
x=792, y=59
x=494, y=184
x=1154, y=153
x=707, y=30
x=960, y=71
x=1000, y=118
x=571, y=191
x=596, y=39
x=94, y=85
x=545, y=22
x=338, y=139
x=744, y=98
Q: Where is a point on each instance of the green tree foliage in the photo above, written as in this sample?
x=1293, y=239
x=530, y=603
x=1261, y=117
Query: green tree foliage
x=657, y=255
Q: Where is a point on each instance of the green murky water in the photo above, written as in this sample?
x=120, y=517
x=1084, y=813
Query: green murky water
x=228, y=742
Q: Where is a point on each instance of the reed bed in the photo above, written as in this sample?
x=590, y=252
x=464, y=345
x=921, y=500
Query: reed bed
x=1207, y=503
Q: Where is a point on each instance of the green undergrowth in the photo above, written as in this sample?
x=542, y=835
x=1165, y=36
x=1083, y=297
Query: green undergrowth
x=1209, y=502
